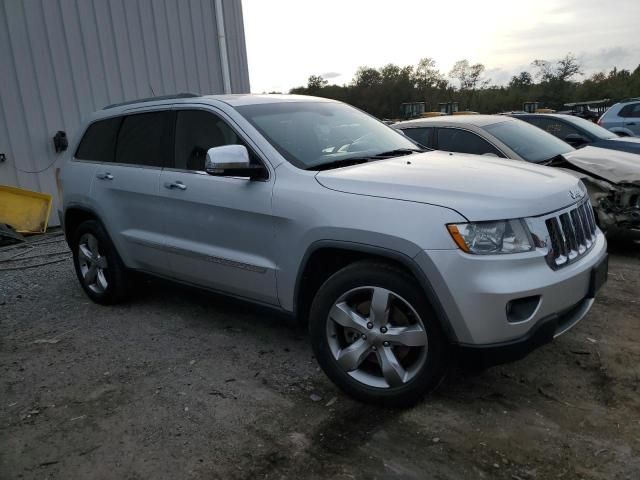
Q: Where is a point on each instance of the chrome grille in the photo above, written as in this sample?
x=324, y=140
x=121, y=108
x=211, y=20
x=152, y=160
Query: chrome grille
x=571, y=234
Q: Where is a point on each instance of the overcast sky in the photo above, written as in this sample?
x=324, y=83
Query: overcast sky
x=288, y=40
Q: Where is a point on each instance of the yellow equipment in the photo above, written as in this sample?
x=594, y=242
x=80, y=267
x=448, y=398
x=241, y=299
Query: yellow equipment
x=25, y=211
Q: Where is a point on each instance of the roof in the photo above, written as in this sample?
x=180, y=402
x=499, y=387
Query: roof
x=561, y=116
x=152, y=99
x=234, y=100
x=477, y=120
x=254, y=99
x=587, y=102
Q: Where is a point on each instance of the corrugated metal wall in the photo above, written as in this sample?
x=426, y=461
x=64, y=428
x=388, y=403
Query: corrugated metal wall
x=62, y=59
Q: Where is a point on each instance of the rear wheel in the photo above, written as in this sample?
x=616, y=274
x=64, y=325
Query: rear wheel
x=98, y=266
x=376, y=336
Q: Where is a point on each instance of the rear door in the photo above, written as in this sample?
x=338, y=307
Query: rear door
x=463, y=141
x=126, y=189
x=632, y=117
x=219, y=230
x=557, y=128
x=422, y=135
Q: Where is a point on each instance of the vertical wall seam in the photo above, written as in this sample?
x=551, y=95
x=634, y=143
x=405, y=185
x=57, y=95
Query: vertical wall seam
x=12, y=162
x=23, y=115
x=155, y=35
x=102, y=59
x=37, y=96
x=206, y=44
x=195, y=49
x=184, y=56
x=47, y=32
x=144, y=48
x=173, y=61
x=85, y=54
x=65, y=34
x=115, y=48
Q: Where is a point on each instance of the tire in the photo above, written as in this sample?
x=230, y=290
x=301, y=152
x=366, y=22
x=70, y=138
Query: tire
x=98, y=266
x=424, y=366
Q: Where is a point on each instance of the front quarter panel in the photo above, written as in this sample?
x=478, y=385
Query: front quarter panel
x=306, y=213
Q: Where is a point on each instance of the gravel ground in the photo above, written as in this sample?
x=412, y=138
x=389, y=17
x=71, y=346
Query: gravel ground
x=178, y=383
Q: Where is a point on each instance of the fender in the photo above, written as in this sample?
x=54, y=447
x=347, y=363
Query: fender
x=386, y=253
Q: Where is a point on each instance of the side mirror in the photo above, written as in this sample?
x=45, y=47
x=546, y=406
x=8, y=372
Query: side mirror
x=575, y=140
x=232, y=161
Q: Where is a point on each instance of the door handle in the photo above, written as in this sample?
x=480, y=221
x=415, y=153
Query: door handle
x=631, y=123
x=178, y=185
x=104, y=176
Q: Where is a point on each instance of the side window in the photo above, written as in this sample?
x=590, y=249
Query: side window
x=631, y=110
x=462, y=141
x=196, y=132
x=424, y=136
x=556, y=128
x=625, y=111
x=99, y=141
x=145, y=139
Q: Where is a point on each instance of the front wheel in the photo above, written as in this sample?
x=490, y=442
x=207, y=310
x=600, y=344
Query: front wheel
x=376, y=336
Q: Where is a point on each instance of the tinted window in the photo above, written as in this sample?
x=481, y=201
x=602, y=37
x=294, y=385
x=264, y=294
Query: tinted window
x=424, y=136
x=310, y=134
x=145, y=139
x=531, y=143
x=462, y=141
x=591, y=128
x=99, y=141
x=554, y=127
x=196, y=132
x=632, y=110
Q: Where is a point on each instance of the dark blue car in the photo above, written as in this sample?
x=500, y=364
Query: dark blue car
x=579, y=132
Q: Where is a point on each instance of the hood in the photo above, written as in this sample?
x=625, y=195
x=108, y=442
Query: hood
x=479, y=188
x=611, y=165
x=624, y=144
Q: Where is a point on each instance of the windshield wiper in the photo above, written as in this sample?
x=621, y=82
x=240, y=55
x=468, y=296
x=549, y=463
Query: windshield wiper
x=399, y=151
x=345, y=162
x=555, y=159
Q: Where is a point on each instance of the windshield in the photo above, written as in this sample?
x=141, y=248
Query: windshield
x=311, y=134
x=591, y=128
x=531, y=143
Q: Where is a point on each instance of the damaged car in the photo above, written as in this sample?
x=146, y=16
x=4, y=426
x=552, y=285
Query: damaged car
x=612, y=177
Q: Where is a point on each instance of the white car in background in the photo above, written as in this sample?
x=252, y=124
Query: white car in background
x=623, y=118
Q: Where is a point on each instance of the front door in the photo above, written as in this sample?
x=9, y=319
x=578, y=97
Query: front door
x=219, y=230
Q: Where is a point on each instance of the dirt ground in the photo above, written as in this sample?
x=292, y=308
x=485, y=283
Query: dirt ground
x=178, y=383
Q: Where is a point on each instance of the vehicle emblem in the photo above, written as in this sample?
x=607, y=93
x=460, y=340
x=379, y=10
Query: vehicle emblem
x=576, y=194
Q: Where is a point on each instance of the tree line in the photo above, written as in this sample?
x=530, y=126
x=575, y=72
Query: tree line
x=380, y=91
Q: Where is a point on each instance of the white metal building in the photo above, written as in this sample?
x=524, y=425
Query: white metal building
x=62, y=59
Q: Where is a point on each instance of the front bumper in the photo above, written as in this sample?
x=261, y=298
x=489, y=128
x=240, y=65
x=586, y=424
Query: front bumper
x=474, y=291
x=540, y=334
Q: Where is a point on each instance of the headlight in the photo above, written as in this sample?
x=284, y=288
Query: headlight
x=490, y=238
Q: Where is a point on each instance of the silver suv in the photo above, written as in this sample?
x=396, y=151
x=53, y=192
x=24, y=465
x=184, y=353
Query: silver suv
x=396, y=257
x=623, y=118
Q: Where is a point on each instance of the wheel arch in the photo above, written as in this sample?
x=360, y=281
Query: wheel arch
x=74, y=216
x=325, y=257
x=621, y=131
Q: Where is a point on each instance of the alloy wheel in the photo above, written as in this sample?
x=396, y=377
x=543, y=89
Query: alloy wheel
x=377, y=337
x=92, y=263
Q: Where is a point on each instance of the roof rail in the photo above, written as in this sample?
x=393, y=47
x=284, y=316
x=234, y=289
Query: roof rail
x=151, y=99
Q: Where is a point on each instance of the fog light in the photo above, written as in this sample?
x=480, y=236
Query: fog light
x=522, y=309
